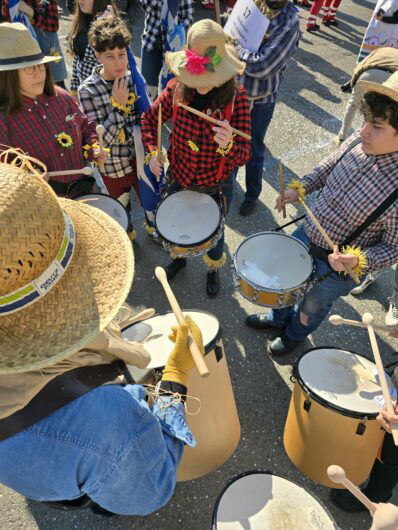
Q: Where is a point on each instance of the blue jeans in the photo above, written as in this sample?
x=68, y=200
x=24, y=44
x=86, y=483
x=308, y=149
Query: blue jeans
x=317, y=302
x=151, y=64
x=107, y=444
x=261, y=115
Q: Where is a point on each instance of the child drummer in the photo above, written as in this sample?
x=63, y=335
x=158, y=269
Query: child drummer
x=202, y=156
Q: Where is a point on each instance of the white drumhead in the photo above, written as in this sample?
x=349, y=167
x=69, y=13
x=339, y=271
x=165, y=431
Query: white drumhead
x=344, y=379
x=187, y=217
x=108, y=205
x=261, y=501
x=154, y=334
x=274, y=261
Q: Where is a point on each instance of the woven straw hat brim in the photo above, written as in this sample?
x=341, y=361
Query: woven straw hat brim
x=43, y=60
x=229, y=67
x=83, y=302
x=369, y=86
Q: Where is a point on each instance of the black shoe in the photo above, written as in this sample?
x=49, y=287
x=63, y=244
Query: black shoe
x=173, y=267
x=66, y=506
x=247, y=207
x=213, y=284
x=329, y=23
x=313, y=28
x=282, y=345
x=96, y=508
x=346, y=501
x=259, y=321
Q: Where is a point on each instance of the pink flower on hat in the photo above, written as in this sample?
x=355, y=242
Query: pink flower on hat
x=195, y=64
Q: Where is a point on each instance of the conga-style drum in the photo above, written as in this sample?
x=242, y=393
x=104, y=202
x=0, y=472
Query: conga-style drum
x=272, y=269
x=332, y=414
x=216, y=427
x=188, y=223
x=260, y=500
x=109, y=205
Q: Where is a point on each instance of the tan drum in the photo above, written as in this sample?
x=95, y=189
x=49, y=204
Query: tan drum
x=259, y=500
x=216, y=427
x=331, y=418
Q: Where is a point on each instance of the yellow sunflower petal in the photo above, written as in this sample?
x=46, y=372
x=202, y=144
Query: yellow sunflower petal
x=193, y=146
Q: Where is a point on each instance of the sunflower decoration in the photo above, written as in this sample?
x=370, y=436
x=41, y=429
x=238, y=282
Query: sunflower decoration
x=55, y=53
x=64, y=140
x=193, y=146
x=298, y=186
x=131, y=99
x=121, y=136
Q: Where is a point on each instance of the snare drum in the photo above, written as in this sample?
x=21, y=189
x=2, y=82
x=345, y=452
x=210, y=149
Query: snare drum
x=331, y=418
x=260, y=500
x=188, y=223
x=109, y=205
x=272, y=269
x=216, y=427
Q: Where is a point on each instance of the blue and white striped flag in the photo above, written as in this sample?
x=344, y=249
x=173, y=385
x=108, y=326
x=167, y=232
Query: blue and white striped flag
x=175, y=36
x=17, y=16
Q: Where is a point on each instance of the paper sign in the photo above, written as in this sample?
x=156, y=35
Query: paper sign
x=247, y=24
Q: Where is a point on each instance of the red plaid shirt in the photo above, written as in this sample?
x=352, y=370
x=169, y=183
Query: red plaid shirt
x=46, y=14
x=34, y=129
x=188, y=166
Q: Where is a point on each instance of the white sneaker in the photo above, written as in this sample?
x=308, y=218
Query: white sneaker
x=392, y=314
x=369, y=279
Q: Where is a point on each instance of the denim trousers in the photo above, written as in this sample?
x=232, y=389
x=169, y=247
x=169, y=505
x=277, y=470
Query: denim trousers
x=316, y=303
x=151, y=66
x=261, y=115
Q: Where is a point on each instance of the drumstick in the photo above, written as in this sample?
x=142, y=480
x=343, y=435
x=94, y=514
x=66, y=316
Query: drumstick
x=160, y=274
x=217, y=10
x=337, y=474
x=100, y=130
x=83, y=171
x=367, y=319
x=212, y=120
x=282, y=188
x=327, y=238
x=336, y=320
x=160, y=158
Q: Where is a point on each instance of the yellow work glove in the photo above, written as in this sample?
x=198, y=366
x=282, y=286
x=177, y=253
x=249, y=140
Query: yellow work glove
x=180, y=361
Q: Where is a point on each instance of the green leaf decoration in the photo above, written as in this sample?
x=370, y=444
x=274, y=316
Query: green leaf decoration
x=210, y=51
x=216, y=59
x=209, y=67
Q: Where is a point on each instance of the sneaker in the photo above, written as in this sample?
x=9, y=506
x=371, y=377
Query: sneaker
x=247, y=207
x=313, y=27
x=392, y=314
x=282, y=345
x=175, y=266
x=260, y=321
x=369, y=279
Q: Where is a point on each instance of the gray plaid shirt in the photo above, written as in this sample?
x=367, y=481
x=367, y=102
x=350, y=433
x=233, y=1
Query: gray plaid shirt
x=349, y=191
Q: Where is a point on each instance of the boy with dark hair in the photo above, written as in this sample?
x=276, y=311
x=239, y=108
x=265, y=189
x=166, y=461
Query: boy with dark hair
x=357, y=207
x=107, y=97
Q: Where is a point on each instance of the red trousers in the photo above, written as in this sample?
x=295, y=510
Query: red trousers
x=329, y=11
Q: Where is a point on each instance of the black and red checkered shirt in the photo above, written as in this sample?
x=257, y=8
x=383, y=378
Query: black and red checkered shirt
x=46, y=15
x=199, y=167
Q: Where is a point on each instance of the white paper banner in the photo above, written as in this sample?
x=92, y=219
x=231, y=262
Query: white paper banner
x=247, y=24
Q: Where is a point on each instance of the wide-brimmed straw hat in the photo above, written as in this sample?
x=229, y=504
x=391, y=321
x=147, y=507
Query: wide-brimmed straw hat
x=19, y=49
x=207, y=60
x=388, y=88
x=65, y=270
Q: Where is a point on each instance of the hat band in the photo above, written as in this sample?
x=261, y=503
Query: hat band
x=22, y=59
x=38, y=288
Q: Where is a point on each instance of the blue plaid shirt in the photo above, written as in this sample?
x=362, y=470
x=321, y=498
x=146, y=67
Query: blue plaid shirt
x=265, y=68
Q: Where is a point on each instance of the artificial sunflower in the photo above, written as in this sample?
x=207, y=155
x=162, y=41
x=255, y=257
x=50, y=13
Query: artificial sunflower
x=122, y=136
x=132, y=98
x=64, y=140
x=193, y=146
x=54, y=53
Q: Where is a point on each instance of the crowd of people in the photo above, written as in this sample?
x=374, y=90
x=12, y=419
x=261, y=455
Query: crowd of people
x=66, y=268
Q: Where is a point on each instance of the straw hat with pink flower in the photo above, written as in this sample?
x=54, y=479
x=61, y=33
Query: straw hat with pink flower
x=207, y=60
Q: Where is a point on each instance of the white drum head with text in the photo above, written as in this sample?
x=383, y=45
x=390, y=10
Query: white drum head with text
x=108, y=205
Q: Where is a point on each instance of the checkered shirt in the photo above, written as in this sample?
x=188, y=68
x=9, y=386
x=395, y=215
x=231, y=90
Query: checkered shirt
x=35, y=126
x=350, y=190
x=45, y=15
x=266, y=67
x=153, y=29
x=187, y=166
x=82, y=68
x=94, y=96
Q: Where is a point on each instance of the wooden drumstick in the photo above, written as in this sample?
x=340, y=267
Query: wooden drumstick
x=160, y=274
x=282, y=188
x=336, y=320
x=337, y=474
x=327, y=238
x=83, y=171
x=217, y=10
x=367, y=319
x=212, y=120
x=160, y=157
x=100, y=130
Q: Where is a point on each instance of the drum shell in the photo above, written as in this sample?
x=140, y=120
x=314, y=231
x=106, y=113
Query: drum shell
x=317, y=436
x=216, y=427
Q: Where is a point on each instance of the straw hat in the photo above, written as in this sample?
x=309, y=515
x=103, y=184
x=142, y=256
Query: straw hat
x=208, y=61
x=65, y=270
x=388, y=88
x=19, y=49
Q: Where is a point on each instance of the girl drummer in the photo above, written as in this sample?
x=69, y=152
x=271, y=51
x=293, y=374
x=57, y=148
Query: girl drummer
x=39, y=118
x=202, y=156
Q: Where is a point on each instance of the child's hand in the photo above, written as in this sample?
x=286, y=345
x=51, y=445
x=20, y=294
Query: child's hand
x=223, y=133
x=100, y=155
x=120, y=92
x=155, y=166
